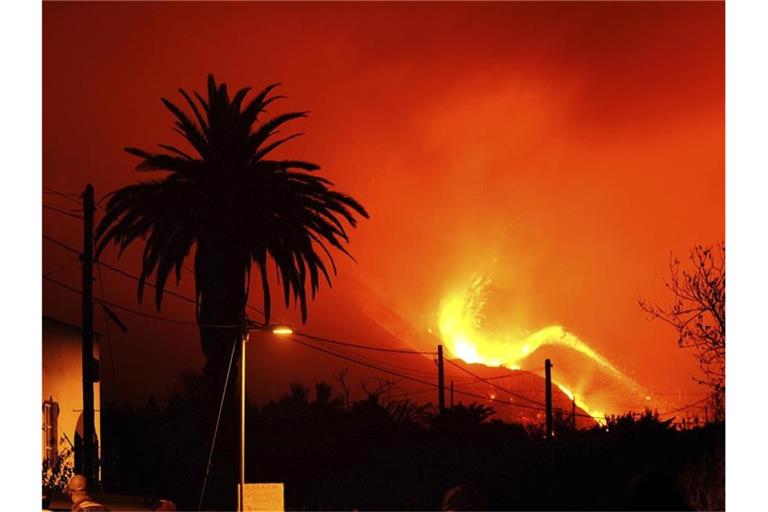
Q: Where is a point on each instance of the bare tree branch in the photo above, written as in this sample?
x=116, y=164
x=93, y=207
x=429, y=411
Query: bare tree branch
x=698, y=314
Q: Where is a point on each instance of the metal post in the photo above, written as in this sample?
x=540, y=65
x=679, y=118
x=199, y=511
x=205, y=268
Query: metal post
x=440, y=380
x=241, y=504
x=548, y=396
x=89, y=457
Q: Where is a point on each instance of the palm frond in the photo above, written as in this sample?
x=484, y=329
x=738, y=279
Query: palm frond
x=227, y=198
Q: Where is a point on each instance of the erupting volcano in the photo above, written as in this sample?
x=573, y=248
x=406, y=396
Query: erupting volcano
x=461, y=323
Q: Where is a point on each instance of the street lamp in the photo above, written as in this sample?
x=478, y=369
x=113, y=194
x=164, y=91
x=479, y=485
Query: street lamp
x=280, y=330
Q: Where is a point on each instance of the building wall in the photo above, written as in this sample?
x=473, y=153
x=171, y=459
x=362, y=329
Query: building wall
x=62, y=378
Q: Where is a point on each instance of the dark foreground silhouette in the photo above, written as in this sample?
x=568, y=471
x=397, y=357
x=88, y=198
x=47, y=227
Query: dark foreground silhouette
x=384, y=454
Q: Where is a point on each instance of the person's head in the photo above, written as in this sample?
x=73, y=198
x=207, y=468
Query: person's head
x=77, y=487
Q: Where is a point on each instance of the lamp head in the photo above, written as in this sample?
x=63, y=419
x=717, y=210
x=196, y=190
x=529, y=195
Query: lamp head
x=281, y=330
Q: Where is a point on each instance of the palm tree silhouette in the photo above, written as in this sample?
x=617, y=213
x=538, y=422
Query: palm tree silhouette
x=236, y=207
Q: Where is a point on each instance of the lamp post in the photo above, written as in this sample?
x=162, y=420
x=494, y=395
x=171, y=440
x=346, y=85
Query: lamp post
x=280, y=330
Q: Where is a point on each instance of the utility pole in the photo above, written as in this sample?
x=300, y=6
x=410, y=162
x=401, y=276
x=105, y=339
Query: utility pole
x=241, y=487
x=89, y=456
x=573, y=412
x=548, y=396
x=440, y=380
x=451, y=393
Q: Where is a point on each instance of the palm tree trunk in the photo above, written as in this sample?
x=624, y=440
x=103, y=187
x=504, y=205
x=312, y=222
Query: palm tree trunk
x=221, y=286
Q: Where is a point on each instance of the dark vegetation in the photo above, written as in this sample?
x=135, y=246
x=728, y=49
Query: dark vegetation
x=378, y=453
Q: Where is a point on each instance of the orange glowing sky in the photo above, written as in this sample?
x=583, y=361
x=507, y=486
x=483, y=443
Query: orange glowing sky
x=570, y=146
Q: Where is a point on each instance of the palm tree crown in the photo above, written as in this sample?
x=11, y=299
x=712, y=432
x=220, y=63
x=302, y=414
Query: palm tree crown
x=232, y=202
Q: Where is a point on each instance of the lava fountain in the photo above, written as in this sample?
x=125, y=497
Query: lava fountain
x=461, y=325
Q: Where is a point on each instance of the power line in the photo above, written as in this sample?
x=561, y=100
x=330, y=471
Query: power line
x=147, y=283
x=374, y=367
x=119, y=270
x=689, y=406
x=364, y=347
x=520, y=373
x=413, y=372
x=98, y=205
x=62, y=266
x=63, y=212
x=134, y=277
x=433, y=385
x=69, y=197
x=387, y=365
x=466, y=393
x=493, y=384
x=61, y=244
x=129, y=310
x=408, y=370
x=141, y=313
x=73, y=196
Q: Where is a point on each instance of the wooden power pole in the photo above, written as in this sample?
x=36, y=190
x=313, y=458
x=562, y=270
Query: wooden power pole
x=548, y=396
x=573, y=412
x=440, y=380
x=89, y=456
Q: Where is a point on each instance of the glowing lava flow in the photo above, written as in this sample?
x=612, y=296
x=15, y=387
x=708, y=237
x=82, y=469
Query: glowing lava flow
x=460, y=322
x=598, y=416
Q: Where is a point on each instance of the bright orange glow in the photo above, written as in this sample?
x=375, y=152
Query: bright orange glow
x=282, y=330
x=556, y=151
x=461, y=325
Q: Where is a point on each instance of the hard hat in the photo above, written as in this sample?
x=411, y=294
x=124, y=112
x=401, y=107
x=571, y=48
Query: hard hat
x=77, y=483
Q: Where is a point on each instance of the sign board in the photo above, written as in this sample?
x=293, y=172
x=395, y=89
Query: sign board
x=262, y=497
